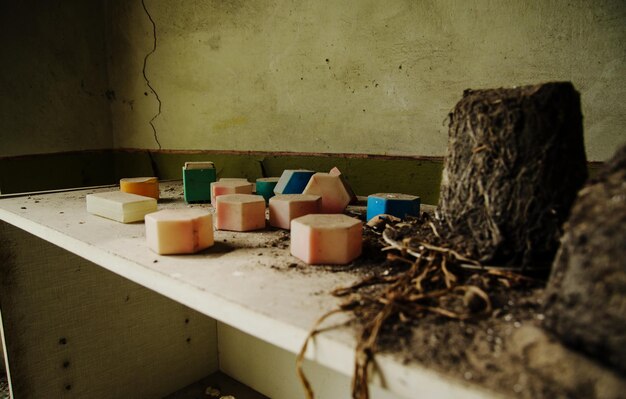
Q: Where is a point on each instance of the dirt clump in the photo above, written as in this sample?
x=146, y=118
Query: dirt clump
x=514, y=163
x=586, y=294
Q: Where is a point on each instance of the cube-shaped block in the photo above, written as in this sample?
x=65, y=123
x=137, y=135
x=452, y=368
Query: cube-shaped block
x=336, y=172
x=240, y=212
x=179, y=231
x=120, y=206
x=146, y=186
x=284, y=208
x=197, y=179
x=398, y=205
x=265, y=187
x=335, y=197
x=326, y=239
x=293, y=181
x=230, y=187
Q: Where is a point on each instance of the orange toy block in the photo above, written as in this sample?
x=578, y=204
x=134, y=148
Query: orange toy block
x=146, y=186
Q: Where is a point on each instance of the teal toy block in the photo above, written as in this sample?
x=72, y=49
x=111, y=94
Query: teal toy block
x=197, y=179
x=398, y=205
x=293, y=181
x=265, y=187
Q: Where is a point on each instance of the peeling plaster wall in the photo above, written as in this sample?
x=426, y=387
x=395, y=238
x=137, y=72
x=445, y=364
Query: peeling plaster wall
x=54, y=95
x=351, y=76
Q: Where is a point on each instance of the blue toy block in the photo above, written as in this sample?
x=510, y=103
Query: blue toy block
x=398, y=205
x=265, y=187
x=293, y=181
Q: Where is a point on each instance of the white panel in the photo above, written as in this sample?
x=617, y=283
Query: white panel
x=77, y=330
x=272, y=371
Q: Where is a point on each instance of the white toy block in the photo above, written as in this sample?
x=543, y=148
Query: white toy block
x=120, y=206
x=179, y=231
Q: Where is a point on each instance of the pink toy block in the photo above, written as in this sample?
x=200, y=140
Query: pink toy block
x=230, y=187
x=240, y=212
x=336, y=172
x=179, y=231
x=284, y=208
x=335, y=197
x=326, y=239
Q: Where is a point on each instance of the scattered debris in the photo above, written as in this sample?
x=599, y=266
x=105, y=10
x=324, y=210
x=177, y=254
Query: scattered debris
x=379, y=222
x=213, y=392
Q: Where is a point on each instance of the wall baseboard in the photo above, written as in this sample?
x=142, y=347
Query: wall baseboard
x=367, y=173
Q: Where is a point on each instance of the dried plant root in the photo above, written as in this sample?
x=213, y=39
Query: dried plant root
x=430, y=278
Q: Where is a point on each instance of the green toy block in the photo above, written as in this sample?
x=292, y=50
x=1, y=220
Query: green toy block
x=197, y=179
x=265, y=187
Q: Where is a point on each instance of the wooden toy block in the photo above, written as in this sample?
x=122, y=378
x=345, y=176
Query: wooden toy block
x=326, y=239
x=230, y=187
x=398, y=205
x=197, y=179
x=293, y=181
x=336, y=172
x=240, y=212
x=265, y=187
x=146, y=186
x=179, y=231
x=335, y=197
x=284, y=208
x=120, y=206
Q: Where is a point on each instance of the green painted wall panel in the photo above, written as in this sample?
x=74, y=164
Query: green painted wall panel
x=367, y=176
x=55, y=171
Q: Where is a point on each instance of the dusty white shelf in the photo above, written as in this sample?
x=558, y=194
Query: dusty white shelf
x=242, y=281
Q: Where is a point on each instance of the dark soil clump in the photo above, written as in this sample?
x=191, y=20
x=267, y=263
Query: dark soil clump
x=515, y=161
x=586, y=296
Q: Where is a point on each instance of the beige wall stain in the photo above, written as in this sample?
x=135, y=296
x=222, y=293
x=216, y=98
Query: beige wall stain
x=228, y=123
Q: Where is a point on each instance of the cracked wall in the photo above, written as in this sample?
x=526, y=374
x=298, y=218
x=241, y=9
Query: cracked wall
x=285, y=75
x=351, y=77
